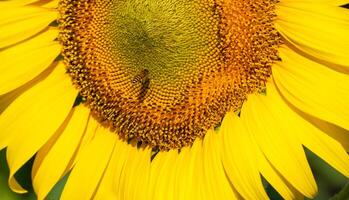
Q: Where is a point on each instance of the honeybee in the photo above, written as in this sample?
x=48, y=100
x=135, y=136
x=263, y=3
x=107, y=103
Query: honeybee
x=143, y=79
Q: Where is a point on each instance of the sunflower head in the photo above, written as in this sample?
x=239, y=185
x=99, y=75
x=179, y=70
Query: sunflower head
x=164, y=73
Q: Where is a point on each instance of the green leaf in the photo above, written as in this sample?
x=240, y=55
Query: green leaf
x=5, y=191
x=343, y=194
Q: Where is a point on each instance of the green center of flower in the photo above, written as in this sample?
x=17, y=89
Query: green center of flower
x=164, y=72
x=161, y=46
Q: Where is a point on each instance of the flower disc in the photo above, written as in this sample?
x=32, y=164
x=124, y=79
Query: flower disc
x=164, y=72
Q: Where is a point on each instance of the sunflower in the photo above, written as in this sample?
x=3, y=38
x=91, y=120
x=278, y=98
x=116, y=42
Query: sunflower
x=175, y=99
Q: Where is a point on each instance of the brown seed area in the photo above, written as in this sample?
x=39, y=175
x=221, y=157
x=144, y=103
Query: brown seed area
x=164, y=72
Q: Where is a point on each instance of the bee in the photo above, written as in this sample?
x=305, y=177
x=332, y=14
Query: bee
x=141, y=77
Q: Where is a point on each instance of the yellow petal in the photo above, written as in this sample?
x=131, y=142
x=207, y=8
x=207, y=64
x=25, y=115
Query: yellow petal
x=26, y=123
x=51, y=4
x=17, y=2
x=87, y=172
x=216, y=184
x=136, y=173
x=313, y=88
x=326, y=2
x=18, y=23
x=280, y=184
x=336, y=132
x=27, y=60
x=311, y=137
x=161, y=184
x=239, y=159
x=318, y=29
x=327, y=148
x=264, y=117
x=89, y=134
x=49, y=171
x=189, y=173
x=7, y=99
x=265, y=168
x=109, y=187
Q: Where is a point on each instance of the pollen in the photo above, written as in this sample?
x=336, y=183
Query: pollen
x=164, y=72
